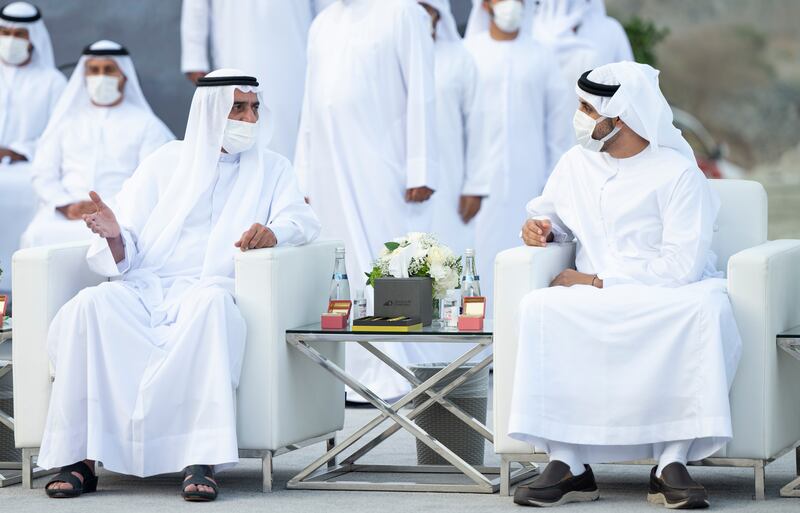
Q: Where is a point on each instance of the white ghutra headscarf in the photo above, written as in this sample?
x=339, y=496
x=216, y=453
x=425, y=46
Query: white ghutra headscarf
x=76, y=95
x=25, y=15
x=194, y=175
x=638, y=102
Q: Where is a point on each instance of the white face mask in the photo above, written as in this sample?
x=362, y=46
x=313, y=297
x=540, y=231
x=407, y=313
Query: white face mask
x=508, y=15
x=14, y=50
x=239, y=136
x=103, y=89
x=584, y=128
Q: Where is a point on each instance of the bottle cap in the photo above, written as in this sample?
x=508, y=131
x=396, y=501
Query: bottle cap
x=469, y=252
x=340, y=249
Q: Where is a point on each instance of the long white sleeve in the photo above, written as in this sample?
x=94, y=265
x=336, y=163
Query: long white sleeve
x=291, y=219
x=416, y=54
x=544, y=206
x=101, y=260
x=195, y=30
x=688, y=219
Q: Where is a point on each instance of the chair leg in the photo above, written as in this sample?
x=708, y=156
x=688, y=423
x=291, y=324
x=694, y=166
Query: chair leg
x=758, y=471
x=505, y=477
x=266, y=472
x=330, y=443
x=27, y=468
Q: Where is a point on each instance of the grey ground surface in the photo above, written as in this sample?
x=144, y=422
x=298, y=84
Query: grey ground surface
x=623, y=489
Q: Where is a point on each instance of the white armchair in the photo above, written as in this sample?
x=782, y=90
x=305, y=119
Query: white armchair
x=764, y=288
x=283, y=401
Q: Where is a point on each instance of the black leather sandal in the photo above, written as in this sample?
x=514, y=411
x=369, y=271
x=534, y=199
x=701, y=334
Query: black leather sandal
x=201, y=475
x=66, y=475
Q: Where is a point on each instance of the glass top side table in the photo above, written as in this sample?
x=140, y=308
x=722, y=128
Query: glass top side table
x=326, y=474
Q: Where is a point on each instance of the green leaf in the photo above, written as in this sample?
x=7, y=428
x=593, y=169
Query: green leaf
x=391, y=246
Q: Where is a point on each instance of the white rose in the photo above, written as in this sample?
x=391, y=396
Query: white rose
x=436, y=256
x=439, y=272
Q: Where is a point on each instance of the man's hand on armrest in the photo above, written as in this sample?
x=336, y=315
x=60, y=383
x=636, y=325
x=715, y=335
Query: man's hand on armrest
x=537, y=232
x=104, y=223
x=571, y=277
x=257, y=237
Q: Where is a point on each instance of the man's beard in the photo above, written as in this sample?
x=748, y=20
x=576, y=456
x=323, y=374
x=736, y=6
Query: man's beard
x=603, y=129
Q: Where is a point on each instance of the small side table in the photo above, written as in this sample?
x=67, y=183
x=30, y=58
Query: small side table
x=789, y=341
x=326, y=474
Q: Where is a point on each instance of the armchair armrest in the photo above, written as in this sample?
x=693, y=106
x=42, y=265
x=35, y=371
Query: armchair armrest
x=284, y=398
x=517, y=271
x=43, y=280
x=764, y=289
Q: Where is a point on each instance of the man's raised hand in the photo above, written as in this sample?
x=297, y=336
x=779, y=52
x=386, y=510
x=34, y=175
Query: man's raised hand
x=257, y=237
x=103, y=222
x=537, y=232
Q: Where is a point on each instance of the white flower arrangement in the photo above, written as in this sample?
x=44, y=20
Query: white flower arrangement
x=418, y=255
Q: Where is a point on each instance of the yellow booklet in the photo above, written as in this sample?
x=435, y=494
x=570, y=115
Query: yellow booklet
x=387, y=324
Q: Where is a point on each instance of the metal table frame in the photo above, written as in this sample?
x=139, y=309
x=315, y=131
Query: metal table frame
x=15, y=467
x=789, y=341
x=313, y=477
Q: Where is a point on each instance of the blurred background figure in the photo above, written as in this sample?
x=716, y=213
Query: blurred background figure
x=30, y=86
x=366, y=152
x=267, y=37
x=555, y=25
x=605, y=32
x=525, y=110
x=101, y=129
x=462, y=182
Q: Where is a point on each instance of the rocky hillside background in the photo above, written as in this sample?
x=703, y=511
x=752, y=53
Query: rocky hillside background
x=735, y=65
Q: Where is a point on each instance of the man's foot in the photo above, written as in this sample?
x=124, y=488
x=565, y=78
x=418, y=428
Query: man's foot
x=676, y=489
x=556, y=486
x=199, y=484
x=72, y=481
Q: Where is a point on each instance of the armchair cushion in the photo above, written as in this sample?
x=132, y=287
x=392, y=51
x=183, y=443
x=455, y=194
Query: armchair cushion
x=517, y=272
x=44, y=279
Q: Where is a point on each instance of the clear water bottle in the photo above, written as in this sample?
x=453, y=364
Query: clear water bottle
x=470, y=281
x=359, y=305
x=340, y=287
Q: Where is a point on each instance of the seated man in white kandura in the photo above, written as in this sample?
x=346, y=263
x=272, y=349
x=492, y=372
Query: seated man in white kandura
x=146, y=366
x=630, y=356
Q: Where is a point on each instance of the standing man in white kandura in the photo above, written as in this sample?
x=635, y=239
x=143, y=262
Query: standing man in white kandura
x=267, y=37
x=366, y=151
